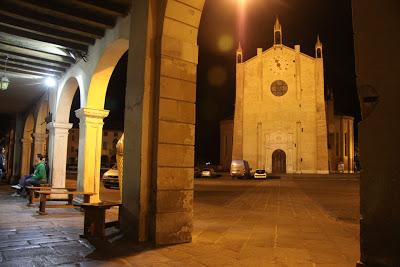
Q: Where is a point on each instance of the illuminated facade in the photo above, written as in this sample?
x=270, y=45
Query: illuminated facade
x=280, y=121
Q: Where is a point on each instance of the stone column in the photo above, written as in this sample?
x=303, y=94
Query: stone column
x=26, y=155
x=90, y=144
x=58, y=144
x=39, y=140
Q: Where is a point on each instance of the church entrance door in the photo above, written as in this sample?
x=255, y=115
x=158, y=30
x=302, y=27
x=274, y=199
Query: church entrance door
x=278, y=161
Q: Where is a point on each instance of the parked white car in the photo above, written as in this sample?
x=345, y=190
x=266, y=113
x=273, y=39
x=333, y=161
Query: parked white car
x=260, y=174
x=110, y=178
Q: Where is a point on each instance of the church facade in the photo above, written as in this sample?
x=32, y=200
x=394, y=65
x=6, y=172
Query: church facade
x=280, y=121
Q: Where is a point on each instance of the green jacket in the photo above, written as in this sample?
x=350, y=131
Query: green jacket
x=40, y=172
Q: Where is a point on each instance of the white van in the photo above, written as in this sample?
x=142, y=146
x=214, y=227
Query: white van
x=240, y=168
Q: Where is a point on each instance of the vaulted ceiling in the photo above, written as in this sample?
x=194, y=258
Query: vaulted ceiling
x=43, y=38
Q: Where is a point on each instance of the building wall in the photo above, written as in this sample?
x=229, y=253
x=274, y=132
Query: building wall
x=287, y=122
x=226, y=141
x=341, y=144
x=110, y=139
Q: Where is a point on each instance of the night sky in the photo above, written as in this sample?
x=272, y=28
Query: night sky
x=218, y=37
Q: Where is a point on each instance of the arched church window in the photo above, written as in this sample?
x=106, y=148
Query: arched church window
x=277, y=37
x=279, y=88
x=319, y=54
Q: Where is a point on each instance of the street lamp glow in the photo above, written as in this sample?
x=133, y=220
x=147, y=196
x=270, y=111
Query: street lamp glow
x=50, y=82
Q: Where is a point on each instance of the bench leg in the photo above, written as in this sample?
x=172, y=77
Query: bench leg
x=30, y=197
x=86, y=198
x=70, y=198
x=42, y=204
x=94, y=223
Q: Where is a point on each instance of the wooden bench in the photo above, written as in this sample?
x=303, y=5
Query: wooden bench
x=32, y=195
x=95, y=219
x=45, y=196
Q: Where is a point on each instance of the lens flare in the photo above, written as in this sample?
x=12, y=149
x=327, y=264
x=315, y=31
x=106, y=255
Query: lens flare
x=225, y=43
x=217, y=76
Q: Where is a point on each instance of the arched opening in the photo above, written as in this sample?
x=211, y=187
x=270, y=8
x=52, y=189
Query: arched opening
x=40, y=135
x=73, y=141
x=112, y=131
x=319, y=53
x=278, y=162
x=64, y=141
x=278, y=38
x=93, y=143
x=179, y=52
x=26, y=159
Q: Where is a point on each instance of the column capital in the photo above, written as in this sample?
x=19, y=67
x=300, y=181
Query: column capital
x=85, y=113
x=39, y=137
x=27, y=140
x=59, y=125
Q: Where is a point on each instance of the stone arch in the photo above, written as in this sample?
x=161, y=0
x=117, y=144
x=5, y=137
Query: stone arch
x=63, y=108
x=91, y=119
x=39, y=135
x=26, y=157
x=176, y=120
x=102, y=74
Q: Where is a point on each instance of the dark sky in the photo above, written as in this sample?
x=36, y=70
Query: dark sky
x=301, y=20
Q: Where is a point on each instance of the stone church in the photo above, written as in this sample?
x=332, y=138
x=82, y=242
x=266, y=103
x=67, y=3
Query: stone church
x=281, y=123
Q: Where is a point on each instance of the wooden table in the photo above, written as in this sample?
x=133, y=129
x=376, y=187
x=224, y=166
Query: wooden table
x=32, y=191
x=45, y=196
x=95, y=218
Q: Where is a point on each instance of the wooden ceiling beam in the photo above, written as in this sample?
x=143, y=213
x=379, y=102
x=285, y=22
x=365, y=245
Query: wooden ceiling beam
x=32, y=64
x=34, y=36
x=51, y=21
x=18, y=51
x=113, y=9
x=13, y=64
x=35, y=61
x=50, y=32
x=68, y=12
x=36, y=73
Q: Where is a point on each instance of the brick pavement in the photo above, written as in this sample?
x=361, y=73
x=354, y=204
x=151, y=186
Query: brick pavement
x=236, y=223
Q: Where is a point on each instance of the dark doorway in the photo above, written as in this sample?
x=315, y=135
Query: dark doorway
x=279, y=161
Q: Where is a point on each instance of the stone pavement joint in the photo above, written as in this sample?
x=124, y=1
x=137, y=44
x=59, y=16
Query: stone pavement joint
x=280, y=222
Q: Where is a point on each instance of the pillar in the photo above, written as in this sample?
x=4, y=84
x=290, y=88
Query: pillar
x=136, y=188
x=90, y=146
x=378, y=86
x=58, y=144
x=26, y=155
x=39, y=140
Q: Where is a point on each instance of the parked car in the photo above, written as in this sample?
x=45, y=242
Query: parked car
x=260, y=174
x=110, y=178
x=240, y=168
x=197, y=172
x=208, y=172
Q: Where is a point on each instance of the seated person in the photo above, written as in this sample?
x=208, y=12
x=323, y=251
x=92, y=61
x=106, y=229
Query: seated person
x=38, y=177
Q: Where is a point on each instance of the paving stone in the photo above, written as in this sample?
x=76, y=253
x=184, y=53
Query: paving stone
x=12, y=244
x=46, y=240
x=24, y=262
x=64, y=259
x=236, y=223
x=27, y=252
